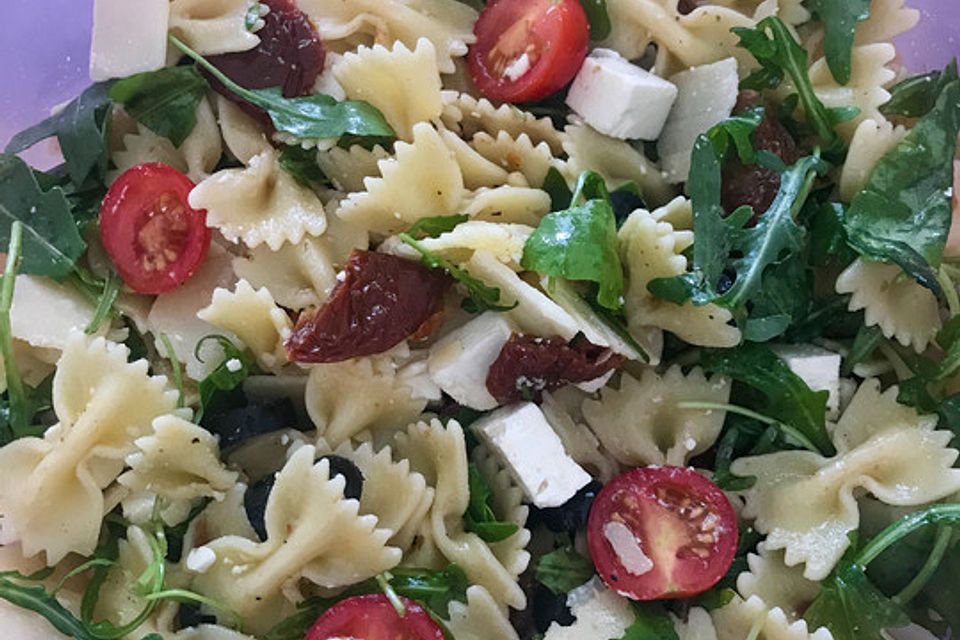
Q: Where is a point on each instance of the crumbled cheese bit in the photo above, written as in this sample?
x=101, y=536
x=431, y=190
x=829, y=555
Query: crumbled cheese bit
x=199, y=560
x=233, y=365
x=627, y=547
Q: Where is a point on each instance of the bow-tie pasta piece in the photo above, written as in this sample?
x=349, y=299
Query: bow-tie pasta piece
x=174, y=315
x=254, y=317
x=481, y=618
x=302, y=275
x=640, y=423
x=212, y=27
x=51, y=490
x=31, y=321
x=347, y=168
x=615, y=160
x=653, y=248
x=883, y=447
x=871, y=141
x=243, y=136
x=578, y=441
x=196, y=156
x=439, y=453
x=900, y=306
x=739, y=618
x=313, y=533
x=515, y=154
x=403, y=84
x=262, y=203
x=448, y=24
x=478, y=172
x=769, y=578
x=398, y=496
x=422, y=179
x=509, y=204
x=466, y=115
x=179, y=462
x=345, y=398
x=865, y=90
x=888, y=19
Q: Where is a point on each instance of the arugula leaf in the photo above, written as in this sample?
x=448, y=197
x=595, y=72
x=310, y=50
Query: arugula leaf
x=828, y=239
x=851, y=607
x=164, y=101
x=51, y=242
x=903, y=215
x=864, y=344
x=302, y=164
x=788, y=398
x=916, y=96
x=726, y=246
x=433, y=226
x=35, y=598
x=479, y=517
x=435, y=590
x=563, y=570
x=82, y=129
x=598, y=18
x=480, y=297
x=722, y=476
x=778, y=52
x=556, y=187
x=840, y=23
x=580, y=243
x=848, y=603
x=652, y=623
x=236, y=367
x=737, y=129
x=307, y=117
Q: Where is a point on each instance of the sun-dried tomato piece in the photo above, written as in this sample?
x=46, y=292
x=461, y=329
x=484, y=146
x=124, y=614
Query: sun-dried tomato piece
x=528, y=365
x=290, y=55
x=382, y=300
x=752, y=184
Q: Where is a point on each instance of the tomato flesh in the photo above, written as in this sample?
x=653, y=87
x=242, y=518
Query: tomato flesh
x=528, y=49
x=372, y=617
x=661, y=532
x=155, y=239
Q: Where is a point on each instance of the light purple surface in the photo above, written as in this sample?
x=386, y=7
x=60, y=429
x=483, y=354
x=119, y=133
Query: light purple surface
x=44, y=48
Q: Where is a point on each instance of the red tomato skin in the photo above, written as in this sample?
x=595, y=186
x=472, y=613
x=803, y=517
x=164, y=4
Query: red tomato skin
x=372, y=617
x=558, y=33
x=657, y=496
x=144, y=216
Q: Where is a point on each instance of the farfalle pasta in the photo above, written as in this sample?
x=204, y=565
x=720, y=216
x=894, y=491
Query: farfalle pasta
x=312, y=533
x=604, y=398
x=51, y=492
x=882, y=447
x=640, y=423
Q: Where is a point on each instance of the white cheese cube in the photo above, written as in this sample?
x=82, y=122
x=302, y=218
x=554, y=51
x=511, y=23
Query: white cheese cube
x=128, y=37
x=621, y=99
x=458, y=363
x=533, y=454
x=706, y=95
x=819, y=368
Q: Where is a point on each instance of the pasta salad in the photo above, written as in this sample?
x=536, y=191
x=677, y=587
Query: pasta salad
x=466, y=320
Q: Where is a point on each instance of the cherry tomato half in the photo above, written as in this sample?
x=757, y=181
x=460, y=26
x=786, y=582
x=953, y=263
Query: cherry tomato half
x=528, y=49
x=155, y=239
x=372, y=617
x=661, y=532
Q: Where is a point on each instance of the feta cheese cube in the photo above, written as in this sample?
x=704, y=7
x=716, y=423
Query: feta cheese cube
x=532, y=453
x=599, y=611
x=706, y=95
x=621, y=99
x=458, y=363
x=819, y=368
x=128, y=37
